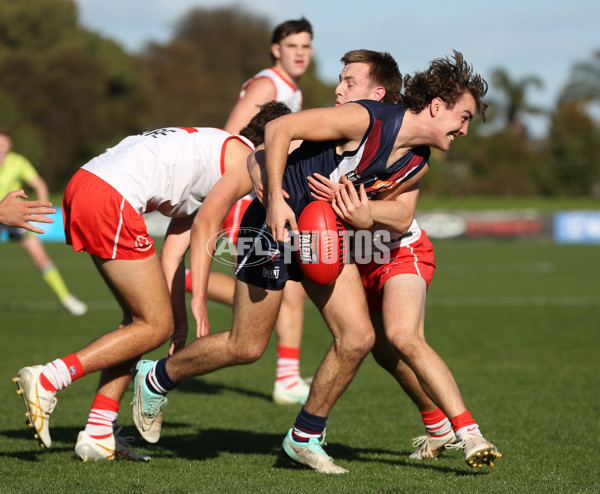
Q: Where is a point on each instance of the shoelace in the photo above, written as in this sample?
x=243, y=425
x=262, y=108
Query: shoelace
x=422, y=442
x=155, y=405
x=457, y=445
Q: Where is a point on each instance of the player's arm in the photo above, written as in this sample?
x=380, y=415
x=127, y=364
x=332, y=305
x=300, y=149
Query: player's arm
x=233, y=185
x=258, y=93
x=346, y=123
x=172, y=255
x=393, y=210
x=397, y=214
x=15, y=212
x=38, y=184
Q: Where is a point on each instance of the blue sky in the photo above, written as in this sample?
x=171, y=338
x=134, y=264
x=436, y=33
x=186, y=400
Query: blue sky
x=533, y=37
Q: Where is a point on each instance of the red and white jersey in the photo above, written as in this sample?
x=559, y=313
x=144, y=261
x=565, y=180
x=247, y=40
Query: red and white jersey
x=285, y=91
x=170, y=170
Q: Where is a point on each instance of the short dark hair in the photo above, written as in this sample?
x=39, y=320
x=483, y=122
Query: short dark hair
x=4, y=131
x=291, y=27
x=445, y=79
x=383, y=69
x=255, y=130
x=286, y=28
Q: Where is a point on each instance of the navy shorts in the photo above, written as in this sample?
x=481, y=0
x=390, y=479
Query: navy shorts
x=261, y=260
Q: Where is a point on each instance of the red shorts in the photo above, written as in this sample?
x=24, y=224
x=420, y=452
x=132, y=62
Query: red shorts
x=99, y=220
x=231, y=223
x=416, y=258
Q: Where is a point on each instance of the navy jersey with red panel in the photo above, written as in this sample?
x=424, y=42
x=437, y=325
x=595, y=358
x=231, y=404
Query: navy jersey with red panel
x=366, y=165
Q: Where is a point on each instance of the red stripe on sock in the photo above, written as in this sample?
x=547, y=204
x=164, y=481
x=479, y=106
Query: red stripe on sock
x=74, y=366
x=102, y=402
x=288, y=352
x=462, y=420
x=434, y=417
x=101, y=437
x=46, y=384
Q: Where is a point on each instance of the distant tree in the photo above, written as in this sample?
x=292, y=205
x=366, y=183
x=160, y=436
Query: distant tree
x=513, y=105
x=584, y=83
x=197, y=75
x=574, y=147
x=69, y=93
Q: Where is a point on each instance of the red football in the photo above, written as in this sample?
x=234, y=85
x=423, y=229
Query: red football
x=321, y=243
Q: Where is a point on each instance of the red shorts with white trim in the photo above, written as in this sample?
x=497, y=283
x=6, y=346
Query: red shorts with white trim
x=417, y=258
x=99, y=220
x=231, y=223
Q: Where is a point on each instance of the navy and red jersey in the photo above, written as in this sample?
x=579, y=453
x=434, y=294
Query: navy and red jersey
x=366, y=165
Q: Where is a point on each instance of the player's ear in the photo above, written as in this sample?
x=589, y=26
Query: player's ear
x=379, y=93
x=436, y=105
x=276, y=50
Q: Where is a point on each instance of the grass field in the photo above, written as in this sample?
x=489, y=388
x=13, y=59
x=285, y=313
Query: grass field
x=516, y=322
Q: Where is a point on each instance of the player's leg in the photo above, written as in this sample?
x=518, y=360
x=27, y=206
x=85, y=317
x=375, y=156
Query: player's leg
x=289, y=387
x=36, y=251
x=142, y=287
x=254, y=313
x=405, y=330
x=99, y=440
x=220, y=288
x=438, y=428
x=344, y=308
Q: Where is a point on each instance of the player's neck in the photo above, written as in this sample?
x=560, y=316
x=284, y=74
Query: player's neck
x=414, y=131
x=285, y=75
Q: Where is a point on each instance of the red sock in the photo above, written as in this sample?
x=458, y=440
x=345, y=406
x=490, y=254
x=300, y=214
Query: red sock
x=463, y=420
x=102, y=417
x=288, y=365
x=464, y=424
x=61, y=373
x=436, y=422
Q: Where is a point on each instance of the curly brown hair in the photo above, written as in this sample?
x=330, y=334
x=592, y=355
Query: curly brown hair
x=445, y=79
x=255, y=130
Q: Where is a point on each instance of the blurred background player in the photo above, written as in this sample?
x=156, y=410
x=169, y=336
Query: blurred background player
x=103, y=204
x=17, y=213
x=291, y=53
x=15, y=171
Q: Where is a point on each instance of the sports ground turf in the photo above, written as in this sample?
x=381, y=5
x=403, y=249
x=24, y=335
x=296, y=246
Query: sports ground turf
x=518, y=324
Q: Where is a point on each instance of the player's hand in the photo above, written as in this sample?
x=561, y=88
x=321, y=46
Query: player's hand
x=200, y=313
x=14, y=212
x=278, y=215
x=258, y=175
x=256, y=170
x=178, y=339
x=322, y=188
x=351, y=207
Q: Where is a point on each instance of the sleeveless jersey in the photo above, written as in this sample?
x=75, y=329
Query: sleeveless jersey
x=366, y=165
x=170, y=170
x=285, y=92
x=15, y=171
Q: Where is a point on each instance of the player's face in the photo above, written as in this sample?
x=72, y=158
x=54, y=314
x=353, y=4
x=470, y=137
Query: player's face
x=356, y=83
x=293, y=54
x=453, y=122
x=5, y=145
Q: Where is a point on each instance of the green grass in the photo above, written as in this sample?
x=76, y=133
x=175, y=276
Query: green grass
x=516, y=322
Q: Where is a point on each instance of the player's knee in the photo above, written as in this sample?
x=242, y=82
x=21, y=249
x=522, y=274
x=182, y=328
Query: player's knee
x=248, y=353
x=358, y=343
x=161, y=329
x=409, y=345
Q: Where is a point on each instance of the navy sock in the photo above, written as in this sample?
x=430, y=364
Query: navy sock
x=308, y=425
x=158, y=380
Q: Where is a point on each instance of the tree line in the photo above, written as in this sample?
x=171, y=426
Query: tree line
x=68, y=93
